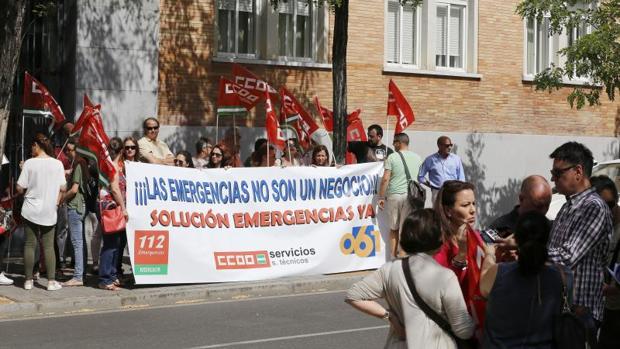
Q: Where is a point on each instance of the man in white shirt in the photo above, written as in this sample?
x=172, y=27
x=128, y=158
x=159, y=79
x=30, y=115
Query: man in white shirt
x=153, y=150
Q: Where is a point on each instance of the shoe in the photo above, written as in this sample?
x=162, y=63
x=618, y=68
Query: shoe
x=5, y=280
x=110, y=287
x=28, y=285
x=53, y=285
x=73, y=282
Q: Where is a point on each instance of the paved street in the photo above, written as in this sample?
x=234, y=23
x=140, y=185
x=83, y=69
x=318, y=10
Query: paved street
x=307, y=321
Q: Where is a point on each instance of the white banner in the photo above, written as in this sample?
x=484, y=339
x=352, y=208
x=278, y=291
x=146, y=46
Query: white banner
x=191, y=226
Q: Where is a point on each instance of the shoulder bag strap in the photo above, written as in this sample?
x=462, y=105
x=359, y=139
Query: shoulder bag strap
x=405, y=165
x=433, y=315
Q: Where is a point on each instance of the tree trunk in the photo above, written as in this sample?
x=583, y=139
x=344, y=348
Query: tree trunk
x=12, y=14
x=339, y=78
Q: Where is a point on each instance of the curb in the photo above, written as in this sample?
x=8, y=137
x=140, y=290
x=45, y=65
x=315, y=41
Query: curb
x=186, y=294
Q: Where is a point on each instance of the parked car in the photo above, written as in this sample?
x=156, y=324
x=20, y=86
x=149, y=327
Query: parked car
x=610, y=169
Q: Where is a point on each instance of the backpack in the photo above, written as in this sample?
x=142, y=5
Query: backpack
x=416, y=195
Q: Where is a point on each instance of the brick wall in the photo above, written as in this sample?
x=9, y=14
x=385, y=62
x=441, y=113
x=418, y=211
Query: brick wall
x=499, y=102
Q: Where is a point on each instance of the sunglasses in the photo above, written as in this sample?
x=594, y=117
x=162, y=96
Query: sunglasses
x=219, y=155
x=130, y=147
x=449, y=145
x=558, y=172
x=179, y=162
x=152, y=128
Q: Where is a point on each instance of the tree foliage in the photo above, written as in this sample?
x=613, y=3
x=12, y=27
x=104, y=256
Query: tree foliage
x=595, y=55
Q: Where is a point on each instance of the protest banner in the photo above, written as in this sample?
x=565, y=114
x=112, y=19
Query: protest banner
x=191, y=226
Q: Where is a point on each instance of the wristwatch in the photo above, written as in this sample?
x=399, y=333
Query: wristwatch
x=386, y=316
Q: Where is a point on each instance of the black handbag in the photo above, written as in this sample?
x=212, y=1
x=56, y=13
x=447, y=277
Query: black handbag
x=432, y=314
x=416, y=195
x=569, y=331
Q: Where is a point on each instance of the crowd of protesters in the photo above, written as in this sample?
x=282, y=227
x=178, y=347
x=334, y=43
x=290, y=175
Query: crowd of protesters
x=527, y=266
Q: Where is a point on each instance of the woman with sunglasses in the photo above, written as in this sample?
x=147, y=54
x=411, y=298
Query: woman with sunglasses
x=217, y=158
x=42, y=181
x=183, y=159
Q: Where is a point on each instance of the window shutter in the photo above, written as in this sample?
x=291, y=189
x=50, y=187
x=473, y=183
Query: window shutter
x=303, y=8
x=392, y=32
x=226, y=5
x=531, y=50
x=441, y=30
x=409, y=27
x=285, y=7
x=456, y=31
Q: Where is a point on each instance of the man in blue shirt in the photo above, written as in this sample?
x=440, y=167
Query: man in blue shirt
x=441, y=166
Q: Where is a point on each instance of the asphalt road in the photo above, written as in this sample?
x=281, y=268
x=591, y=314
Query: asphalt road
x=320, y=320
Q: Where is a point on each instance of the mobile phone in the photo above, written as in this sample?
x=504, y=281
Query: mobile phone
x=490, y=236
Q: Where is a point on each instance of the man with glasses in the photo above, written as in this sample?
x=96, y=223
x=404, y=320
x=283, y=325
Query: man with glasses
x=441, y=166
x=153, y=150
x=371, y=150
x=581, y=232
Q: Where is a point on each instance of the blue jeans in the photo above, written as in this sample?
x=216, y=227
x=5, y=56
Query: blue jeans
x=110, y=255
x=76, y=231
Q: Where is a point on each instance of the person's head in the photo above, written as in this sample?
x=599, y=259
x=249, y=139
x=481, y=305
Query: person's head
x=292, y=147
x=266, y=156
x=71, y=149
x=444, y=145
x=320, y=155
x=115, y=147
x=455, y=205
x=131, y=151
x=203, y=148
x=151, y=128
x=606, y=189
x=401, y=141
x=421, y=232
x=183, y=159
x=41, y=145
x=572, y=168
x=375, y=134
x=216, y=158
x=535, y=195
x=531, y=235
x=259, y=143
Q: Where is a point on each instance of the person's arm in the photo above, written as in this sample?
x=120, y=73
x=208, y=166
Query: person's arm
x=75, y=185
x=387, y=174
x=375, y=309
x=117, y=195
x=489, y=271
x=443, y=257
x=452, y=300
x=594, y=225
x=422, y=172
x=22, y=181
x=460, y=170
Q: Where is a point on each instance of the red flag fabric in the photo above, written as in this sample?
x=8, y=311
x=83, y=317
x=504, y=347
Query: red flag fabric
x=36, y=95
x=326, y=114
x=93, y=144
x=234, y=98
x=274, y=132
x=475, y=302
x=399, y=107
x=87, y=113
x=355, y=132
x=87, y=102
x=247, y=80
x=290, y=106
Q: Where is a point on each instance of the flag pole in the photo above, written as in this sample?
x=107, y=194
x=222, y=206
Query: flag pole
x=63, y=147
x=290, y=159
x=217, y=127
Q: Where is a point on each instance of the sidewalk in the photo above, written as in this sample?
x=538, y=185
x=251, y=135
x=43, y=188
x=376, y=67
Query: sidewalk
x=15, y=302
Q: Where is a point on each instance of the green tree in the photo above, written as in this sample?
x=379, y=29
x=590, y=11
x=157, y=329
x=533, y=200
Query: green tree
x=340, y=8
x=595, y=55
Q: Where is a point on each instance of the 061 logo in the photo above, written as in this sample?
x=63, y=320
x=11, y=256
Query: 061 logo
x=364, y=241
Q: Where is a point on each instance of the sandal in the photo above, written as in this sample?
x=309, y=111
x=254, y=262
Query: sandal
x=110, y=287
x=117, y=283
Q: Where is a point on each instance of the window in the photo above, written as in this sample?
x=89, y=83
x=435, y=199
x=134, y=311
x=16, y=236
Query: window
x=295, y=28
x=450, y=36
x=237, y=27
x=538, y=46
x=402, y=30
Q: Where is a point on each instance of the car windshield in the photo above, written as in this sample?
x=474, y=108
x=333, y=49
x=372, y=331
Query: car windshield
x=610, y=170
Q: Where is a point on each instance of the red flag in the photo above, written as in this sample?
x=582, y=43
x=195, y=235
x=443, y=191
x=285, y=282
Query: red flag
x=399, y=107
x=87, y=113
x=36, y=95
x=355, y=132
x=290, y=106
x=326, y=114
x=87, y=102
x=234, y=98
x=475, y=302
x=93, y=144
x=247, y=80
x=274, y=132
